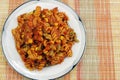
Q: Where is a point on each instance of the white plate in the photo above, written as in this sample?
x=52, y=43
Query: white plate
x=51, y=72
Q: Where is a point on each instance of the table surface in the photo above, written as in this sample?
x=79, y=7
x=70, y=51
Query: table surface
x=101, y=60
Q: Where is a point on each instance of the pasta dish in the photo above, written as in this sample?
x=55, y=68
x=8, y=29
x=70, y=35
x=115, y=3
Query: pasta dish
x=43, y=38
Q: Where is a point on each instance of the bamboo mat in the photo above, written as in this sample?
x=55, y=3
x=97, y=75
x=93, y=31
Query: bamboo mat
x=101, y=60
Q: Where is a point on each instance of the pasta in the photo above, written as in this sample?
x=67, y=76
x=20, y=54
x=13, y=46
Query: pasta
x=43, y=38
